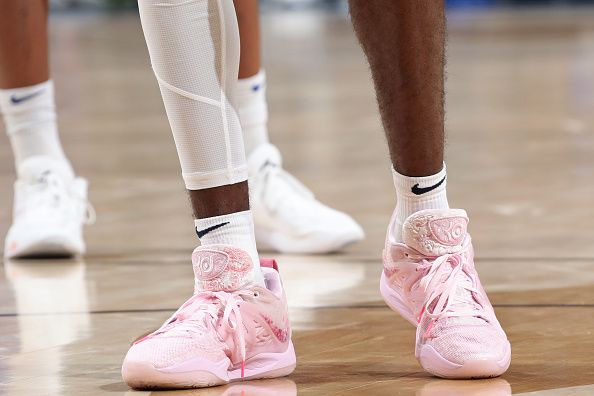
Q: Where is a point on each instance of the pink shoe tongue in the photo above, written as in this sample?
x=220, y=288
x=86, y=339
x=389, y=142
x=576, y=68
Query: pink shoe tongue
x=221, y=268
x=435, y=232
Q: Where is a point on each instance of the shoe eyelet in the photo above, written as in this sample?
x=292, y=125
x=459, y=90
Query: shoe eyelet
x=256, y=294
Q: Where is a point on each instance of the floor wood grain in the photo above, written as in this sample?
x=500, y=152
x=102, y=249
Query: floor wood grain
x=520, y=159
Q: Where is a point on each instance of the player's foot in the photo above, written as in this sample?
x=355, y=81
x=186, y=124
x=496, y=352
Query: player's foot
x=49, y=212
x=287, y=217
x=218, y=336
x=431, y=281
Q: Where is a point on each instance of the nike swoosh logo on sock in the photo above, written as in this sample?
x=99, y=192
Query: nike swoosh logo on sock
x=422, y=190
x=205, y=231
x=20, y=99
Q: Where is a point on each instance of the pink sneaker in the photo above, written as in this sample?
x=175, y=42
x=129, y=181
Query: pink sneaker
x=431, y=281
x=227, y=331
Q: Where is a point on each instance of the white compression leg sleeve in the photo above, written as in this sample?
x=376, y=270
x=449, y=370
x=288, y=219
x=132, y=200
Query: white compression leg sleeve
x=194, y=50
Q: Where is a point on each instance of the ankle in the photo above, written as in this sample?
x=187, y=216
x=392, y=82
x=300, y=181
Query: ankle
x=234, y=229
x=414, y=194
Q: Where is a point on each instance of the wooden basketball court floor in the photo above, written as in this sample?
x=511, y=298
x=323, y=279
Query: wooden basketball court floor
x=520, y=159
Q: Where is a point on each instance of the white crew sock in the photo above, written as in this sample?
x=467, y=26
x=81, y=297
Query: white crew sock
x=30, y=120
x=253, y=110
x=235, y=229
x=414, y=194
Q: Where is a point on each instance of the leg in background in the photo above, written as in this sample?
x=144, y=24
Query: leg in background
x=26, y=93
x=23, y=43
x=275, y=194
x=251, y=87
x=50, y=204
x=248, y=19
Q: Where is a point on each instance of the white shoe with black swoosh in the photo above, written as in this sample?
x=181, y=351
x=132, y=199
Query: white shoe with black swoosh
x=49, y=212
x=287, y=216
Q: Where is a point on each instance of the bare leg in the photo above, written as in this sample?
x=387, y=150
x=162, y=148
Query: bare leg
x=23, y=43
x=26, y=93
x=404, y=43
x=248, y=18
x=251, y=87
x=220, y=200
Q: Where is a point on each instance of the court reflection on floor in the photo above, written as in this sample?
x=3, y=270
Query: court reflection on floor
x=52, y=311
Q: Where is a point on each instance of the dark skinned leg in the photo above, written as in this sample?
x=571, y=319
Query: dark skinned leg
x=23, y=43
x=220, y=200
x=404, y=43
x=233, y=198
x=248, y=18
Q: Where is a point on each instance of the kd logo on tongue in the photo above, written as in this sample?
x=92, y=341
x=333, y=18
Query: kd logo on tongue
x=209, y=264
x=449, y=231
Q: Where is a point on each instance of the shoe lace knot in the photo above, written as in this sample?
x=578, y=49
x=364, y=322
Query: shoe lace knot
x=449, y=289
x=48, y=190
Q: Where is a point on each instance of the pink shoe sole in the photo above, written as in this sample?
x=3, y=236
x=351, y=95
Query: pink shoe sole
x=200, y=374
x=431, y=360
x=435, y=364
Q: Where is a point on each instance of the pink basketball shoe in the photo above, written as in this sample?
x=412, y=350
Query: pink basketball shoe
x=229, y=330
x=431, y=281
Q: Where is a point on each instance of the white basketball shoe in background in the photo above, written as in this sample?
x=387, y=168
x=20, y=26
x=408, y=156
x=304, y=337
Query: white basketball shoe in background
x=50, y=210
x=287, y=217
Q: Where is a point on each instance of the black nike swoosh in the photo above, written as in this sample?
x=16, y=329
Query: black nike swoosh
x=19, y=99
x=422, y=190
x=205, y=231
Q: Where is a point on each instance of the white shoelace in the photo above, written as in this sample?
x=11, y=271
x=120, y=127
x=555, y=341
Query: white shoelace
x=49, y=190
x=273, y=196
x=201, y=312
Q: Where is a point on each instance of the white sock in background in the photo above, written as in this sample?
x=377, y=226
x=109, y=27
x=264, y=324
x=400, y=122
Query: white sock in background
x=252, y=110
x=30, y=120
x=414, y=194
x=235, y=229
